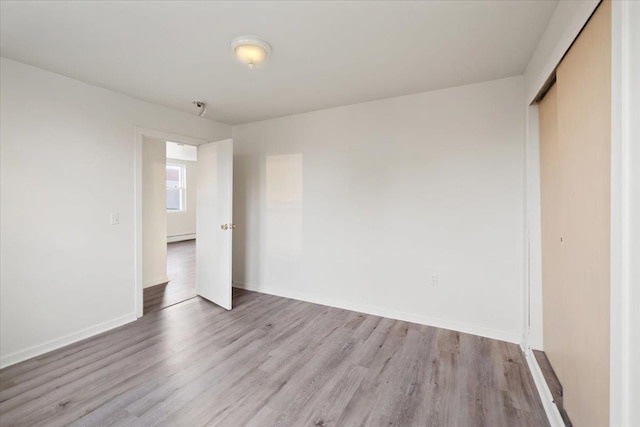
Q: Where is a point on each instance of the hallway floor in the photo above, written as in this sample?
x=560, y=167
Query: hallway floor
x=181, y=270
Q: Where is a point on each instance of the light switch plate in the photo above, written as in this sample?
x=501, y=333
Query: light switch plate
x=115, y=219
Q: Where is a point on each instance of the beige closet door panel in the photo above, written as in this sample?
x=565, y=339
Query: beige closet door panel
x=554, y=310
x=584, y=129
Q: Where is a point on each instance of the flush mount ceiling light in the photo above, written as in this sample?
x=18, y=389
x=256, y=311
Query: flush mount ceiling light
x=250, y=50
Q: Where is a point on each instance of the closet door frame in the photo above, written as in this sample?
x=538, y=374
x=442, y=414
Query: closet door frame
x=622, y=200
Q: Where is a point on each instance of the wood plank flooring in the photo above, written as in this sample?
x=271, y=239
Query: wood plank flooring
x=273, y=361
x=181, y=271
x=553, y=383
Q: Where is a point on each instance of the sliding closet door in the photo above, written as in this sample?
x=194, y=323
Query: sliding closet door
x=584, y=131
x=553, y=292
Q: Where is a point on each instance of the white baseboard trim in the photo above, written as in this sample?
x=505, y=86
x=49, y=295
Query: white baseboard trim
x=153, y=282
x=180, y=238
x=40, y=349
x=383, y=312
x=550, y=408
x=523, y=343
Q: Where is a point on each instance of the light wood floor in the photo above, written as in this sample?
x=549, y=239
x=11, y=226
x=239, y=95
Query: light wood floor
x=273, y=361
x=181, y=271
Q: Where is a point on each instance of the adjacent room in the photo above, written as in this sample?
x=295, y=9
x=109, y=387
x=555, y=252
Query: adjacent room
x=320, y=213
x=169, y=188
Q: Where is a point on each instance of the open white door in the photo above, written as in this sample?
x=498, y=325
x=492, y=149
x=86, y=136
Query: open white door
x=214, y=222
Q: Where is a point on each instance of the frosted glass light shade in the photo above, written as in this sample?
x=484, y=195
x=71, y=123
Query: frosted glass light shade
x=250, y=50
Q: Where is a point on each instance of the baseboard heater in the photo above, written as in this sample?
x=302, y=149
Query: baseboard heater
x=180, y=238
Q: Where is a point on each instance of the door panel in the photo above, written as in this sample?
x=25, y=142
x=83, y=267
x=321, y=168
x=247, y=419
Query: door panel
x=553, y=296
x=213, y=222
x=575, y=200
x=584, y=125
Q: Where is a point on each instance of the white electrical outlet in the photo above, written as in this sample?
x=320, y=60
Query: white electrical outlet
x=434, y=279
x=115, y=218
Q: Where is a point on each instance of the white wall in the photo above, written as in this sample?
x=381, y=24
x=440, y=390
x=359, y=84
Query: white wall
x=357, y=206
x=67, y=162
x=632, y=260
x=176, y=150
x=625, y=321
x=182, y=224
x=154, y=212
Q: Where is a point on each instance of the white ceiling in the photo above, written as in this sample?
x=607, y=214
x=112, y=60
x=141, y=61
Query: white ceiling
x=325, y=54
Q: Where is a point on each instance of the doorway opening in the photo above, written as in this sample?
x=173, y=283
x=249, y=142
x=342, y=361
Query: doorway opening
x=180, y=188
x=183, y=220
